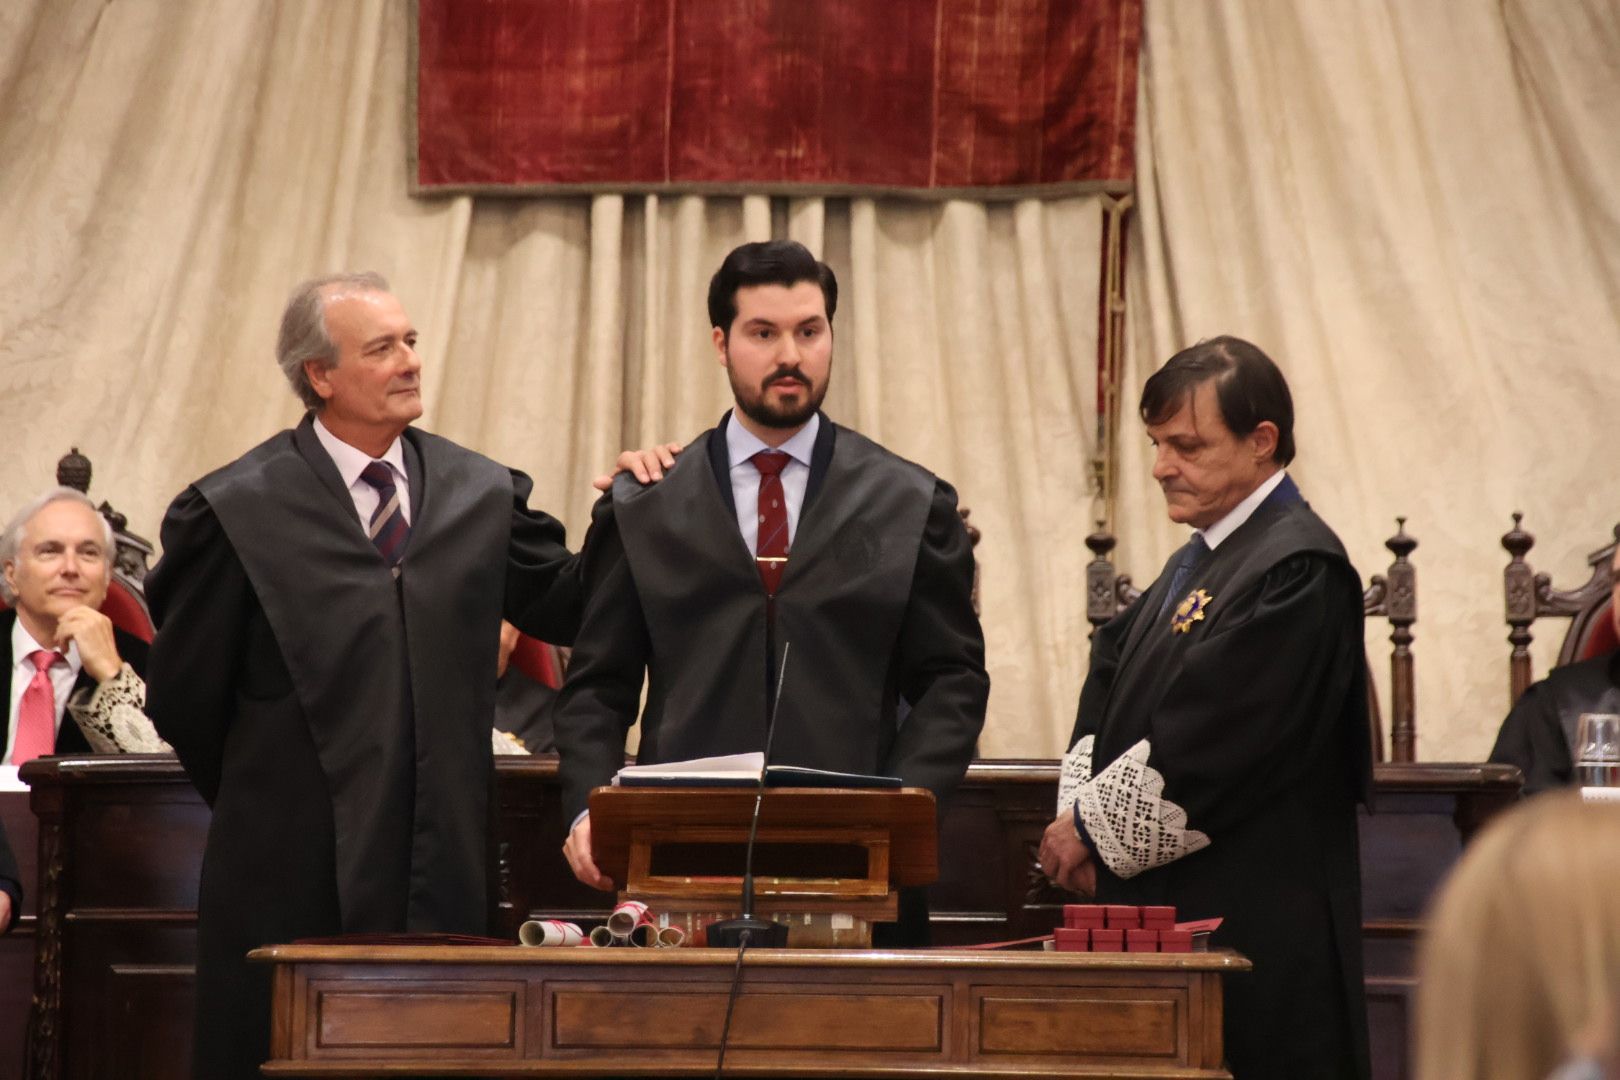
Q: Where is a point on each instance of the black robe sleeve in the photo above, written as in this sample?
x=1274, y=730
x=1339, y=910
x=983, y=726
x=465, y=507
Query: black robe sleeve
x=1533, y=739
x=544, y=586
x=940, y=660
x=1250, y=710
x=201, y=599
x=10, y=881
x=600, y=698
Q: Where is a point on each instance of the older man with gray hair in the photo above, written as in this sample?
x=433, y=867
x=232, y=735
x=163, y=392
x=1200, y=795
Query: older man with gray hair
x=328, y=608
x=66, y=658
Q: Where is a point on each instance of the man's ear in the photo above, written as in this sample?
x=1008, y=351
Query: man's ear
x=11, y=575
x=1264, y=440
x=719, y=337
x=320, y=377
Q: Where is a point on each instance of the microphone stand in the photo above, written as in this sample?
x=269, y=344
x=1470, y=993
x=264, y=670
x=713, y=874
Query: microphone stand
x=748, y=930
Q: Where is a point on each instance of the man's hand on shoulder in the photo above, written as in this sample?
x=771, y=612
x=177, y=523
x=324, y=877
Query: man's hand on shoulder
x=577, y=850
x=647, y=466
x=93, y=633
x=1066, y=859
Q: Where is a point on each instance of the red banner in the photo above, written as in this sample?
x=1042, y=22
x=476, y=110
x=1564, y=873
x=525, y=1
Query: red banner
x=926, y=97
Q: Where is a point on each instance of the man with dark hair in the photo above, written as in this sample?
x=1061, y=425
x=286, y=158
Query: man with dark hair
x=1539, y=733
x=1221, y=744
x=328, y=607
x=777, y=527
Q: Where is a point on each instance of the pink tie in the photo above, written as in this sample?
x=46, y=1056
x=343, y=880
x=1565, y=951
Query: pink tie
x=36, y=711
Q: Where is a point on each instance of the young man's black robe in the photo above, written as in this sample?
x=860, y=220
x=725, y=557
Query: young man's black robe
x=876, y=604
x=1253, y=717
x=337, y=720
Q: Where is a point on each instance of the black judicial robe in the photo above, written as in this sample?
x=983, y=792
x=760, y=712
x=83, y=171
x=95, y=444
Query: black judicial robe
x=338, y=721
x=69, y=738
x=1255, y=720
x=1539, y=733
x=876, y=603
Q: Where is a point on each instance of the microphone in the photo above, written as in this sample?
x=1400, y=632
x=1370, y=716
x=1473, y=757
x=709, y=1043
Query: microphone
x=747, y=930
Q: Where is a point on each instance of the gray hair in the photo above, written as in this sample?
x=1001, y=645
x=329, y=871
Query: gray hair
x=11, y=539
x=303, y=328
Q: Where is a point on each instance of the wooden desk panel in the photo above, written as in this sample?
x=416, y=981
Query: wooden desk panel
x=120, y=846
x=367, y=1011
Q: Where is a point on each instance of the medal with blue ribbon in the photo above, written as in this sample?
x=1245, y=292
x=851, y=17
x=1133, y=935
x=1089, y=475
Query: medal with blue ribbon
x=1189, y=611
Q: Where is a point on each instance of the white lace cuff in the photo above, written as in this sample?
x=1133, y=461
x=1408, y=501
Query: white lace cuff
x=1134, y=827
x=1076, y=771
x=113, y=718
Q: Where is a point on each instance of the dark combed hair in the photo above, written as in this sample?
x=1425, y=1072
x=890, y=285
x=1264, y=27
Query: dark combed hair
x=1248, y=387
x=772, y=262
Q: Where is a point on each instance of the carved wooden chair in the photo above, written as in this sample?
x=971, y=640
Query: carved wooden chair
x=1391, y=595
x=126, y=595
x=1530, y=596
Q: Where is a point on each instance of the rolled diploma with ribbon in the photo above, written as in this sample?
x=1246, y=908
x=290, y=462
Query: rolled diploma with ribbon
x=627, y=916
x=550, y=933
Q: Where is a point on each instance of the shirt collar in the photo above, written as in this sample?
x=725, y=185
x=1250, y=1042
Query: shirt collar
x=23, y=643
x=1235, y=517
x=742, y=444
x=351, y=462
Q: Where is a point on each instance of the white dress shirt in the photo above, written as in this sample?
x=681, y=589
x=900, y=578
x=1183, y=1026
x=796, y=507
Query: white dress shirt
x=742, y=445
x=63, y=676
x=351, y=463
x=1235, y=517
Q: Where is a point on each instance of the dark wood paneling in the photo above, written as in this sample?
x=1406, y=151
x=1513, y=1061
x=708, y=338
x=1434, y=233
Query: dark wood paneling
x=131, y=834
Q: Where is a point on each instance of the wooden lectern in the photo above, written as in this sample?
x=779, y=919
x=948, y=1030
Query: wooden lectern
x=827, y=861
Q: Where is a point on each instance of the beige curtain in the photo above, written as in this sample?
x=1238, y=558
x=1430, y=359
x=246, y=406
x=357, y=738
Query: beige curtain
x=1413, y=208
x=169, y=168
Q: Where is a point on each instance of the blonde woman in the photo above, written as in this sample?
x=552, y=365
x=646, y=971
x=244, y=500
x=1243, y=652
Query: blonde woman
x=1520, y=966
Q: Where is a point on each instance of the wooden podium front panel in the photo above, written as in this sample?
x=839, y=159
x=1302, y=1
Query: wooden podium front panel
x=542, y=1012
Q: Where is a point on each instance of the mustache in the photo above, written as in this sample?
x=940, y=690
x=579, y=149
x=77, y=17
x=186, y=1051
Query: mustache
x=785, y=375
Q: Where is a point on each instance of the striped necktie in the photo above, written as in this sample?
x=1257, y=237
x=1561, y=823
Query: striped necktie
x=388, y=528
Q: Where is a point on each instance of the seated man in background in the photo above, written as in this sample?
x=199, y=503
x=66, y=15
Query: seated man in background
x=776, y=528
x=1539, y=733
x=65, y=655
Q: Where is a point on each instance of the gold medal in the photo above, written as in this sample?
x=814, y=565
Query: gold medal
x=1189, y=611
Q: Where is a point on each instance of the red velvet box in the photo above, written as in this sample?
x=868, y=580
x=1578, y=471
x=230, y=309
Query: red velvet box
x=1123, y=917
x=1158, y=918
x=1070, y=939
x=1141, y=941
x=1084, y=916
x=1108, y=941
x=1175, y=941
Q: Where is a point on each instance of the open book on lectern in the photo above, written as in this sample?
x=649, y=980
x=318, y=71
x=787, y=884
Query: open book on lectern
x=742, y=770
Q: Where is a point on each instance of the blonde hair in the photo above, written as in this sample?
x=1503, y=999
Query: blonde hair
x=1520, y=961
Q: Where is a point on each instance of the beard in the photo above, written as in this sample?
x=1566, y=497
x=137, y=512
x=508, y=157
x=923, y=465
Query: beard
x=754, y=403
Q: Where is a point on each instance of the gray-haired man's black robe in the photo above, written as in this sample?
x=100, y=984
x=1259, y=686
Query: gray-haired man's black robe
x=876, y=603
x=1219, y=755
x=337, y=720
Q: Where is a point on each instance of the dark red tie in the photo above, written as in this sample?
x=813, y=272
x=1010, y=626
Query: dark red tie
x=388, y=528
x=771, y=550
